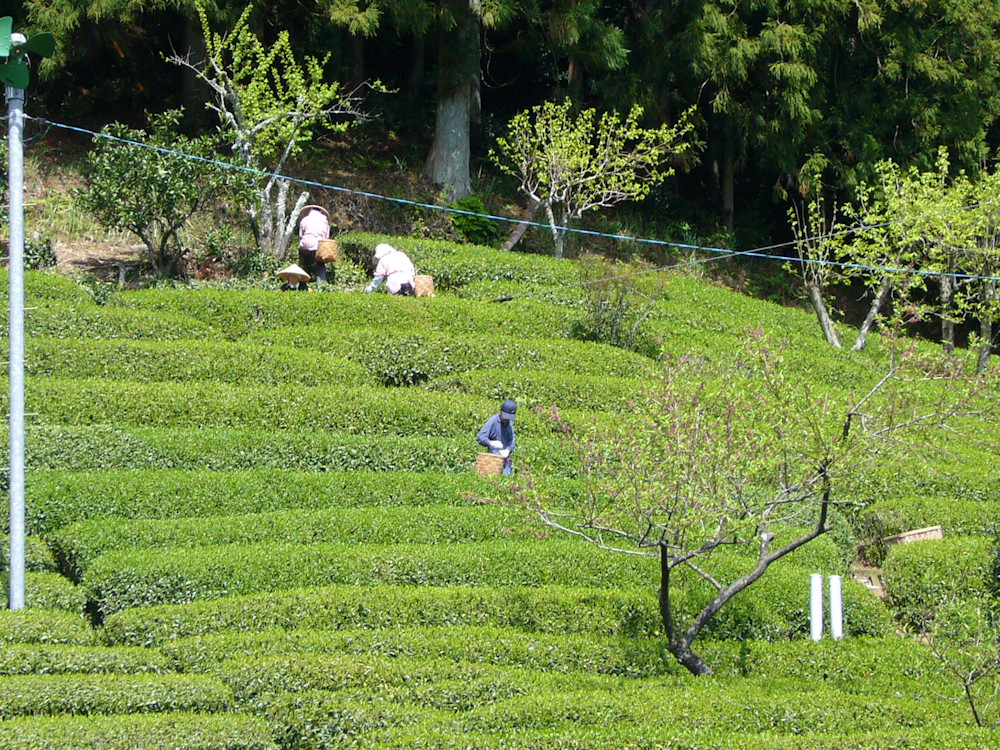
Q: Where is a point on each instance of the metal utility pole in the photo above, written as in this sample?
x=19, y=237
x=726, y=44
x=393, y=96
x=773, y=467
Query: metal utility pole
x=15, y=114
x=14, y=75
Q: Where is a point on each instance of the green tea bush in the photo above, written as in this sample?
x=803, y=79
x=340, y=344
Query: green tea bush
x=44, y=286
x=863, y=665
x=108, y=447
x=546, y=609
x=16, y=658
x=543, y=389
x=45, y=695
x=324, y=719
x=37, y=555
x=51, y=591
x=186, y=361
x=894, y=516
x=774, y=609
x=58, y=498
x=366, y=411
x=417, y=357
x=919, y=576
x=78, y=544
x=121, y=580
x=56, y=319
x=178, y=731
x=236, y=314
x=44, y=626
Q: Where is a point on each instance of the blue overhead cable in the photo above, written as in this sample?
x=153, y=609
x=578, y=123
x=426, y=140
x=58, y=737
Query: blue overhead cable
x=718, y=253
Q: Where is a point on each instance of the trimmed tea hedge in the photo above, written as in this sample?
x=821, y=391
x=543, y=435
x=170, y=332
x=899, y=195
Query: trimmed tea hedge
x=186, y=361
x=44, y=626
x=548, y=609
x=16, y=658
x=68, y=321
x=177, y=731
x=235, y=314
x=108, y=447
x=919, y=576
x=136, y=578
x=416, y=357
x=37, y=555
x=894, y=516
x=772, y=610
x=369, y=411
x=45, y=695
x=141, y=578
x=542, y=389
x=51, y=591
x=79, y=544
x=58, y=498
x=863, y=665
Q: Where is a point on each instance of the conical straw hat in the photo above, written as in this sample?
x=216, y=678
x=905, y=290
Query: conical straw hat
x=293, y=273
x=310, y=207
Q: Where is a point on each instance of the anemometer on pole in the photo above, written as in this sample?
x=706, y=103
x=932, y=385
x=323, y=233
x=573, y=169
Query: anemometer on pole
x=14, y=73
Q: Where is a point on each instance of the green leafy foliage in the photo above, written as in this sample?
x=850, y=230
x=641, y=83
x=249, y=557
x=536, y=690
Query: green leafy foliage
x=152, y=191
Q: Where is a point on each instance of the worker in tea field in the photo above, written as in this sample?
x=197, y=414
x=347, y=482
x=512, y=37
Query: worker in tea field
x=295, y=278
x=497, y=434
x=314, y=225
x=395, y=269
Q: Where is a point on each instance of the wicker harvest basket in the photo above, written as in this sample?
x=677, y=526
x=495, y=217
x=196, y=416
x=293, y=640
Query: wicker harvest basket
x=328, y=251
x=423, y=286
x=488, y=464
x=917, y=535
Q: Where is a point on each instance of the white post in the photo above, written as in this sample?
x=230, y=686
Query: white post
x=816, y=606
x=836, y=609
x=15, y=103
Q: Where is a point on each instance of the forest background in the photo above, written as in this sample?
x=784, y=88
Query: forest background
x=789, y=98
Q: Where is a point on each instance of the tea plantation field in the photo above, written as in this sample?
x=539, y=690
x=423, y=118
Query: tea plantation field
x=254, y=522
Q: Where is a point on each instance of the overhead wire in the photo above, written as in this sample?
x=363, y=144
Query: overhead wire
x=715, y=253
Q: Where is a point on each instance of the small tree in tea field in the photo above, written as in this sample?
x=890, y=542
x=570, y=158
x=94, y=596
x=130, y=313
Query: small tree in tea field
x=749, y=458
x=571, y=164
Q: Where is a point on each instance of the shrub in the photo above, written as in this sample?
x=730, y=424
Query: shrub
x=52, y=591
x=543, y=389
x=415, y=357
x=40, y=659
x=178, y=731
x=56, y=319
x=153, y=361
x=235, y=314
x=919, y=576
x=545, y=609
x=80, y=543
x=105, y=447
x=472, y=225
x=57, y=498
x=956, y=517
x=37, y=555
x=44, y=626
x=42, y=695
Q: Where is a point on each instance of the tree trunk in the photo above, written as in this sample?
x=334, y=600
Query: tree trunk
x=728, y=183
x=415, y=80
x=458, y=60
x=522, y=226
x=986, y=326
x=873, y=311
x=678, y=646
x=947, y=324
x=825, y=321
x=558, y=233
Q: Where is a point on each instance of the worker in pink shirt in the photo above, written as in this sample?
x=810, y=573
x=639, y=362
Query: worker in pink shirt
x=395, y=269
x=314, y=225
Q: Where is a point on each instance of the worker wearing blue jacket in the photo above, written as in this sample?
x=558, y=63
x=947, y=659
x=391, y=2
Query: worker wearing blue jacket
x=497, y=434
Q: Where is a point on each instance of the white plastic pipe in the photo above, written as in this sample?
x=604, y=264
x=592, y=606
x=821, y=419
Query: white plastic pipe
x=836, y=609
x=816, y=606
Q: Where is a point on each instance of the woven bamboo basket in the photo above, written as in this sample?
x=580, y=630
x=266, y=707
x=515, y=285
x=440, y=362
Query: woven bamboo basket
x=423, y=286
x=917, y=535
x=328, y=251
x=488, y=464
